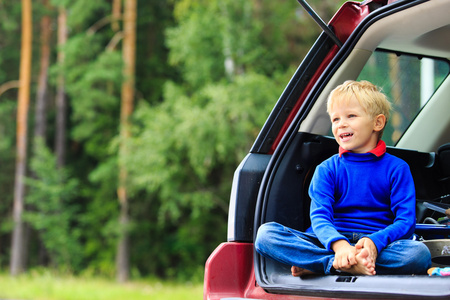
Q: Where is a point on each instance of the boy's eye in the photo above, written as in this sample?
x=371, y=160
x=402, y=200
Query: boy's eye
x=335, y=120
x=351, y=116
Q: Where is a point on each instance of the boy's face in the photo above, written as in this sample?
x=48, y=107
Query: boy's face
x=353, y=128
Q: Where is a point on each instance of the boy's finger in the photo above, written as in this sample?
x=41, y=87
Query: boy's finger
x=338, y=264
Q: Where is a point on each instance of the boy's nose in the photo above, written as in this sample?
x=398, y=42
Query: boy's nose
x=342, y=123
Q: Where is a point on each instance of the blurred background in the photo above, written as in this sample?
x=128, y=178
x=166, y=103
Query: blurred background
x=122, y=122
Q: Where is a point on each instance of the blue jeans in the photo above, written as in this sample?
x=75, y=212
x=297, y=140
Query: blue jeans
x=304, y=250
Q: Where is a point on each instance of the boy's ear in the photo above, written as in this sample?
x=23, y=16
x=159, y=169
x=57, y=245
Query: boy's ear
x=379, y=122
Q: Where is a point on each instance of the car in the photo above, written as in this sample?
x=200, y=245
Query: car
x=401, y=46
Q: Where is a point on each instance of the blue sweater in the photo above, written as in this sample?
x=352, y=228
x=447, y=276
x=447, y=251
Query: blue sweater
x=363, y=193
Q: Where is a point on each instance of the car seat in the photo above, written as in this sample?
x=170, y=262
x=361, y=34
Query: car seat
x=443, y=154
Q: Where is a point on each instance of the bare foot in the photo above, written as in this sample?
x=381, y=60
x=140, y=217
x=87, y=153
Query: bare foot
x=297, y=271
x=364, y=266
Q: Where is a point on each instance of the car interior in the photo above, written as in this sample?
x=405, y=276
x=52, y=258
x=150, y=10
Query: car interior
x=422, y=140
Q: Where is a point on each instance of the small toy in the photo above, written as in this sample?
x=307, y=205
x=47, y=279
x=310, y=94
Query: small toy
x=439, y=271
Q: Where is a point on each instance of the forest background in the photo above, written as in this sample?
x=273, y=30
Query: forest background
x=122, y=122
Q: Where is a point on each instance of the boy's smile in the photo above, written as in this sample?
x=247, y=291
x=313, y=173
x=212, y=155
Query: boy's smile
x=346, y=136
x=353, y=128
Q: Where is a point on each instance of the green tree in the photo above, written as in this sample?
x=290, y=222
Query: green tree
x=234, y=59
x=186, y=148
x=93, y=73
x=55, y=214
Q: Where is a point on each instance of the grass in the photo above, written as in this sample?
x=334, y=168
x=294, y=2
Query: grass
x=52, y=287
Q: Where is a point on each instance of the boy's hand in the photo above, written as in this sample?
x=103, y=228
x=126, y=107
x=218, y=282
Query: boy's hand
x=345, y=255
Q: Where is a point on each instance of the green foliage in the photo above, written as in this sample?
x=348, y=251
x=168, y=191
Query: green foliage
x=151, y=53
x=95, y=101
x=99, y=219
x=85, y=11
x=198, y=64
x=185, y=153
x=9, y=38
x=53, y=214
x=93, y=77
x=9, y=11
x=186, y=145
x=7, y=160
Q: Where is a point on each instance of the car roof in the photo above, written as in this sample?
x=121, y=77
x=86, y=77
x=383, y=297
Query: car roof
x=417, y=30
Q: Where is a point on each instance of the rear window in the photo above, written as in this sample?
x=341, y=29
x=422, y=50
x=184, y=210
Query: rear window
x=408, y=82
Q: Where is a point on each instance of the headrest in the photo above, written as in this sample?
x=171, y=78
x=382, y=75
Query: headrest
x=443, y=153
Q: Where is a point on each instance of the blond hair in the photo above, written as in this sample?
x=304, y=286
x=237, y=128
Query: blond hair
x=372, y=100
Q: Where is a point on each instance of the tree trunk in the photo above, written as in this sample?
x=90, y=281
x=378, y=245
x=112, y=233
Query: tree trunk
x=40, y=114
x=116, y=13
x=41, y=98
x=396, y=118
x=61, y=115
x=17, y=264
x=129, y=58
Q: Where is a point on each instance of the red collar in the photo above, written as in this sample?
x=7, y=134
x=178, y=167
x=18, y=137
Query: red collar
x=379, y=150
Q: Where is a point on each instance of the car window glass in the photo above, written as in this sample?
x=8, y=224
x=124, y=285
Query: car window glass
x=408, y=82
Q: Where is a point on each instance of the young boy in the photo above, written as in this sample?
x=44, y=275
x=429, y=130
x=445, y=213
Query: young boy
x=362, y=200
